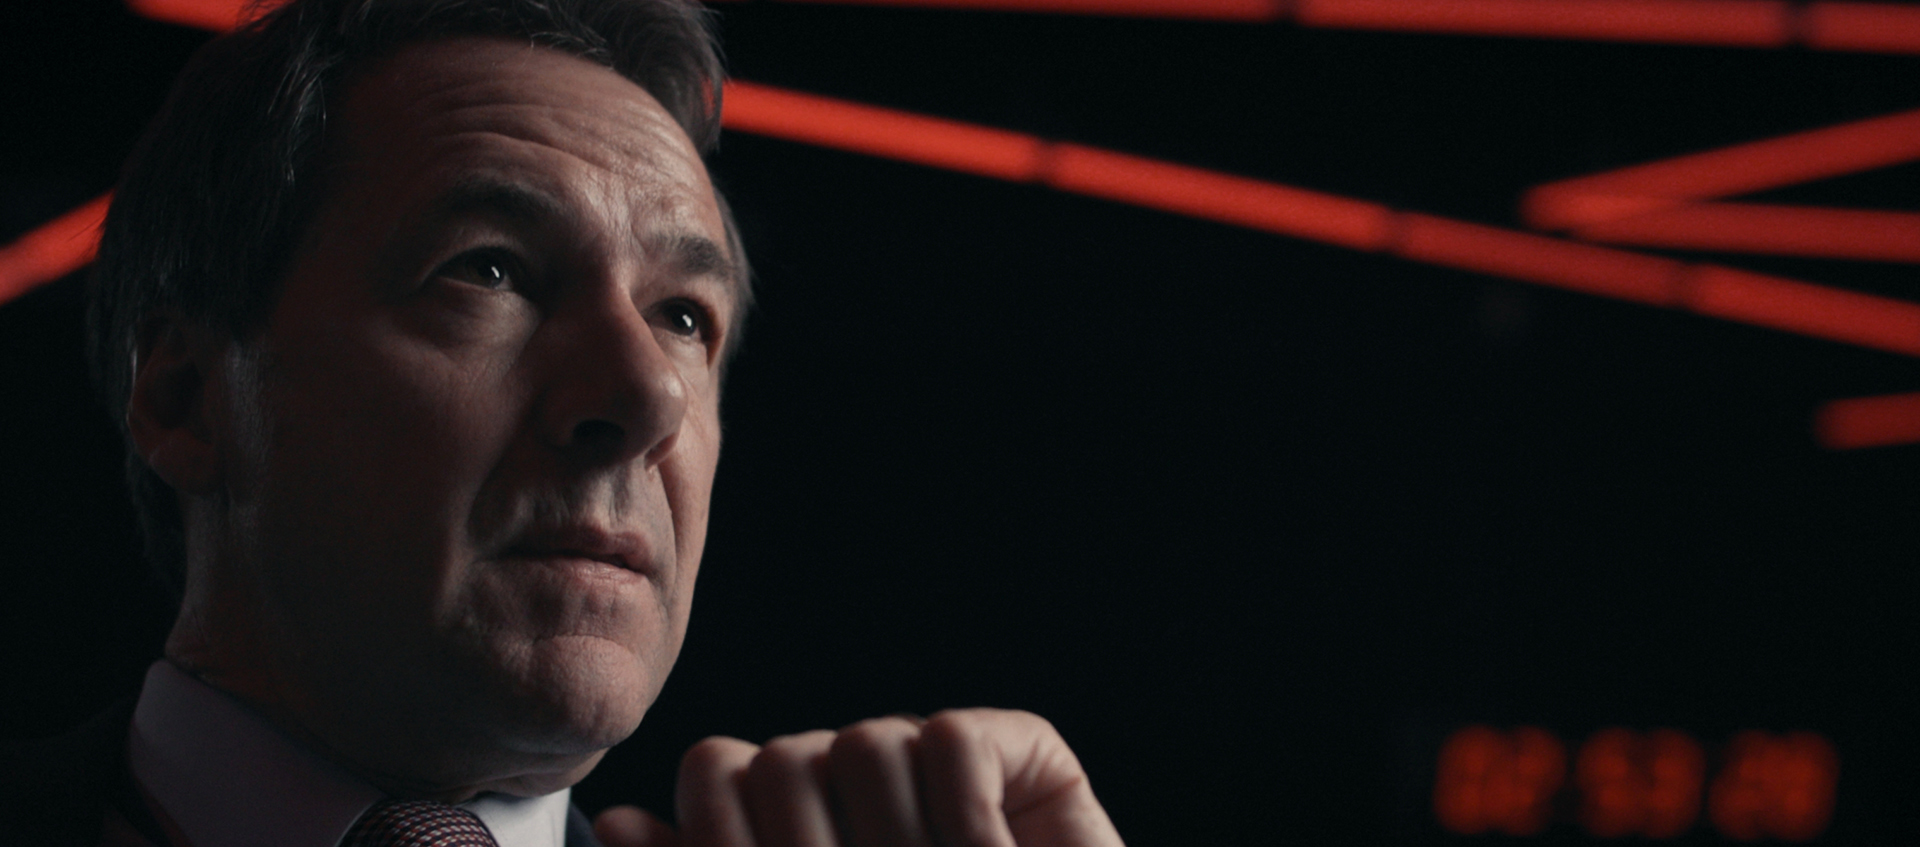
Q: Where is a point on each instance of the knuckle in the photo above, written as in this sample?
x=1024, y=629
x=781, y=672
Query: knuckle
x=873, y=739
x=954, y=728
x=715, y=754
x=789, y=757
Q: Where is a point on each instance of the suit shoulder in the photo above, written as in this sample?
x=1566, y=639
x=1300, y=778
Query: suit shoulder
x=55, y=791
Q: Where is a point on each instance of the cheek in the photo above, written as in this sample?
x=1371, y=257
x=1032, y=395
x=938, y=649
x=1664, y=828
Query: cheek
x=375, y=454
x=688, y=477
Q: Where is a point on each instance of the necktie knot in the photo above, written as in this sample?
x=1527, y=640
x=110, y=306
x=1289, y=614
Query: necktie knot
x=418, y=823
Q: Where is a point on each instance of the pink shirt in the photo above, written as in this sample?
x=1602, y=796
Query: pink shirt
x=224, y=777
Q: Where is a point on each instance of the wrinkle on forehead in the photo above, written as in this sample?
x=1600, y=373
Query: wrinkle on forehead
x=544, y=96
x=472, y=104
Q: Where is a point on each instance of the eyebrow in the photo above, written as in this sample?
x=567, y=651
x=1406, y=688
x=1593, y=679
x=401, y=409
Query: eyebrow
x=515, y=201
x=693, y=254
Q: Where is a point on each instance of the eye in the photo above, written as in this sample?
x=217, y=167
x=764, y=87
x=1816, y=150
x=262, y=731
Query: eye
x=684, y=318
x=489, y=268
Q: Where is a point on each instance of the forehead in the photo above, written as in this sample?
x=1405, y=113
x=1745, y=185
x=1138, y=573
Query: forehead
x=437, y=115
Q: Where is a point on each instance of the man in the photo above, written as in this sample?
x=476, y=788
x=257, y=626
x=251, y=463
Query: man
x=416, y=314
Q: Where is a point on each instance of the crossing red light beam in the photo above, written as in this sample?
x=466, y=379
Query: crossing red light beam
x=1776, y=303
x=1820, y=25
x=59, y=247
x=1728, y=171
x=1756, y=299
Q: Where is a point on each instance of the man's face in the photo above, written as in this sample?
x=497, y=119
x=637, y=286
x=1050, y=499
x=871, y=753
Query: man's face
x=471, y=450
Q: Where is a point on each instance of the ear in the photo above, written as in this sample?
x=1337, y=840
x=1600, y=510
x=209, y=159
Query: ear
x=170, y=410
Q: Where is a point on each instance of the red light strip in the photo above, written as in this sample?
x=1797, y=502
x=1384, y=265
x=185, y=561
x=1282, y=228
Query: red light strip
x=1776, y=303
x=1776, y=230
x=1726, y=23
x=1860, y=27
x=1825, y=25
x=1246, y=11
x=1743, y=168
x=1788, y=305
x=1772, y=302
x=1821, y=25
x=1859, y=422
x=59, y=247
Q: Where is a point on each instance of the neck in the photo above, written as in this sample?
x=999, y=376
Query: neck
x=450, y=776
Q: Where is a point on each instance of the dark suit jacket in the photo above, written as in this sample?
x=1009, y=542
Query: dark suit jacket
x=57, y=792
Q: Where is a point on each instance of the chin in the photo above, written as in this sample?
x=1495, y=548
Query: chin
x=579, y=695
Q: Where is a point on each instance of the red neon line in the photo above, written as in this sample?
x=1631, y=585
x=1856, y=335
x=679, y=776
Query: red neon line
x=1755, y=166
x=59, y=247
x=887, y=133
x=1868, y=422
x=1248, y=11
x=1821, y=25
x=1788, y=305
x=1634, y=277
x=1214, y=196
x=1861, y=27
x=1731, y=23
x=1775, y=230
x=1803, y=308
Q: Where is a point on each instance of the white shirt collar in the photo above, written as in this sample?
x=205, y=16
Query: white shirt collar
x=227, y=778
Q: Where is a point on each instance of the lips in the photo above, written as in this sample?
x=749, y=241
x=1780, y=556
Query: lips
x=626, y=551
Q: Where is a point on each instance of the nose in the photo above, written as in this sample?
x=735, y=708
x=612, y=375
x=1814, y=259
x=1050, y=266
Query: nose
x=613, y=395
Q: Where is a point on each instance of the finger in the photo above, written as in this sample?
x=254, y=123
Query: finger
x=786, y=792
x=707, y=796
x=995, y=778
x=631, y=826
x=874, y=783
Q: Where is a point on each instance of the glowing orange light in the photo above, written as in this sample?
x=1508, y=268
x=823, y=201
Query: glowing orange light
x=1868, y=422
x=1488, y=780
x=1775, y=787
x=1738, y=23
x=1776, y=230
x=1740, y=169
x=59, y=247
x=1632, y=784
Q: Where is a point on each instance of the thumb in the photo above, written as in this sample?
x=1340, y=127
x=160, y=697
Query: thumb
x=631, y=826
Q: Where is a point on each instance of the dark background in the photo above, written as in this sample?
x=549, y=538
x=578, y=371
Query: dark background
x=1254, y=521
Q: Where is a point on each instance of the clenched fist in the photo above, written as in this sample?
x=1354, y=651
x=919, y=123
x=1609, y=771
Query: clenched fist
x=963, y=778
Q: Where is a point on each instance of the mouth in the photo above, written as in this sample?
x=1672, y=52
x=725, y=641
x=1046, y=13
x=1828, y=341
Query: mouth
x=626, y=551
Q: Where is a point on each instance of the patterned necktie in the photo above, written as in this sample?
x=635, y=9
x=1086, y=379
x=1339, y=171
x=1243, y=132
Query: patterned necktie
x=418, y=823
